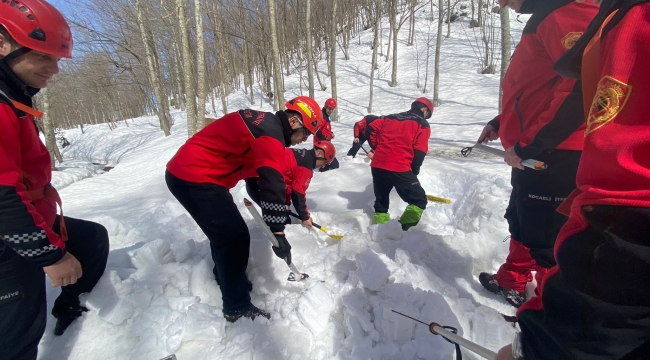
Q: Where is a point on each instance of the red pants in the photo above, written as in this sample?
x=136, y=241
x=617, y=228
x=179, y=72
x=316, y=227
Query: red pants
x=516, y=271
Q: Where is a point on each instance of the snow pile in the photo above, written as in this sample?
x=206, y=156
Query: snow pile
x=158, y=295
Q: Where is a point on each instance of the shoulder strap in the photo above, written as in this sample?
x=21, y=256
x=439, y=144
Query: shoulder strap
x=16, y=106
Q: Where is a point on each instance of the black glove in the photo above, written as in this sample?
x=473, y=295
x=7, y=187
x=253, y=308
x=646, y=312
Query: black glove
x=284, y=250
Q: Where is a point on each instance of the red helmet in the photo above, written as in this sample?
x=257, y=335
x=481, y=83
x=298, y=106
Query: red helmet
x=328, y=148
x=309, y=110
x=426, y=102
x=330, y=103
x=37, y=25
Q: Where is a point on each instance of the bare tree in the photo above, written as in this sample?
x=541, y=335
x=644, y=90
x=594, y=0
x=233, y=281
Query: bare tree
x=201, y=89
x=375, y=45
x=190, y=96
x=155, y=76
x=277, y=71
x=48, y=130
x=436, y=80
x=310, y=53
x=332, y=43
x=505, y=48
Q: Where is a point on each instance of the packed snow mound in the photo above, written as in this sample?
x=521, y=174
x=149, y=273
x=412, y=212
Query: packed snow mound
x=158, y=295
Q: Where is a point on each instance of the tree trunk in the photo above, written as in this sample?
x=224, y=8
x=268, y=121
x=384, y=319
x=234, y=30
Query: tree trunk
x=505, y=48
x=436, y=80
x=332, y=49
x=310, y=53
x=375, y=45
x=155, y=76
x=201, y=90
x=277, y=71
x=448, y=18
x=48, y=131
x=395, y=31
x=190, y=96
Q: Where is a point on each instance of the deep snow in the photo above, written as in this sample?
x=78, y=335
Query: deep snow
x=158, y=295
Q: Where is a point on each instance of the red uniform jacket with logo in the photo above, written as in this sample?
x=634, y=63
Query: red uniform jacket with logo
x=541, y=109
x=240, y=145
x=299, y=169
x=611, y=59
x=25, y=164
x=400, y=141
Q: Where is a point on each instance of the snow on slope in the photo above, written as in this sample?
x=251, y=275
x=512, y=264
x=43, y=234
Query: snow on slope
x=158, y=295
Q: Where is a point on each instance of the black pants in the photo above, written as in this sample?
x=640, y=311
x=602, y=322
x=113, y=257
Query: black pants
x=214, y=210
x=356, y=146
x=536, y=194
x=332, y=166
x=406, y=183
x=596, y=303
x=22, y=287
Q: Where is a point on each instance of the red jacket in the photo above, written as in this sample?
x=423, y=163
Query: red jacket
x=615, y=165
x=298, y=171
x=25, y=165
x=400, y=141
x=240, y=145
x=325, y=130
x=581, y=314
x=360, y=128
x=541, y=109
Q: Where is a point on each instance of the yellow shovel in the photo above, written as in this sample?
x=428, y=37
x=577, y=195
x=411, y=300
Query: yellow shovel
x=322, y=228
x=438, y=199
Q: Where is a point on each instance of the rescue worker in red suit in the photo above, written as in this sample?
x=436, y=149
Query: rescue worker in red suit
x=541, y=119
x=240, y=145
x=400, y=142
x=359, y=137
x=299, y=165
x=595, y=304
x=34, y=240
x=325, y=132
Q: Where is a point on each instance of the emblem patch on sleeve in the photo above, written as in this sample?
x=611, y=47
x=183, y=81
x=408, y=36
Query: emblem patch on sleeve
x=570, y=39
x=608, y=102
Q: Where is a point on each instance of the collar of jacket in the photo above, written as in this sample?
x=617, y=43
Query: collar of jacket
x=286, y=127
x=570, y=64
x=14, y=87
x=325, y=116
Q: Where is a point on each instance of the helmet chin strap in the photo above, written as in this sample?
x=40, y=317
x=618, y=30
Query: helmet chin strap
x=16, y=54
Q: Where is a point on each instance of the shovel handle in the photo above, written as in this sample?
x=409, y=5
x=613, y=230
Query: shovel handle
x=312, y=223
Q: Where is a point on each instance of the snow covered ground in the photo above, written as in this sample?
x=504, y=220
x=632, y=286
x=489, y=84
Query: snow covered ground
x=158, y=295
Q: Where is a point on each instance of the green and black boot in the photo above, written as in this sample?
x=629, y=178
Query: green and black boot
x=410, y=217
x=381, y=218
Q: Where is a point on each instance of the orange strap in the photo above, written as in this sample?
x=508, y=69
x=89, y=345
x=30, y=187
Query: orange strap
x=48, y=191
x=591, y=67
x=26, y=109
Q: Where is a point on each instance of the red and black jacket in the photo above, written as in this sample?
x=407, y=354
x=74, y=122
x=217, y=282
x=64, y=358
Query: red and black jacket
x=541, y=109
x=240, y=145
x=400, y=141
x=325, y=130
x=360, y=128
x=591, y=307
x=25, y=165
x=299, y=169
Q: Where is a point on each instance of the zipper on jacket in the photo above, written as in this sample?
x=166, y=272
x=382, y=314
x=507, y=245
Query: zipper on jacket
x=233, y=172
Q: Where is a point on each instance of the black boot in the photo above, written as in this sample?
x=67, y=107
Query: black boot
x=513, y=297
x=65, y=314
x=250, y=313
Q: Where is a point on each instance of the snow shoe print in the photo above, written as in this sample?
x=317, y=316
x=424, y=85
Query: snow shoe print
x=65, y=315
x=251, y=313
